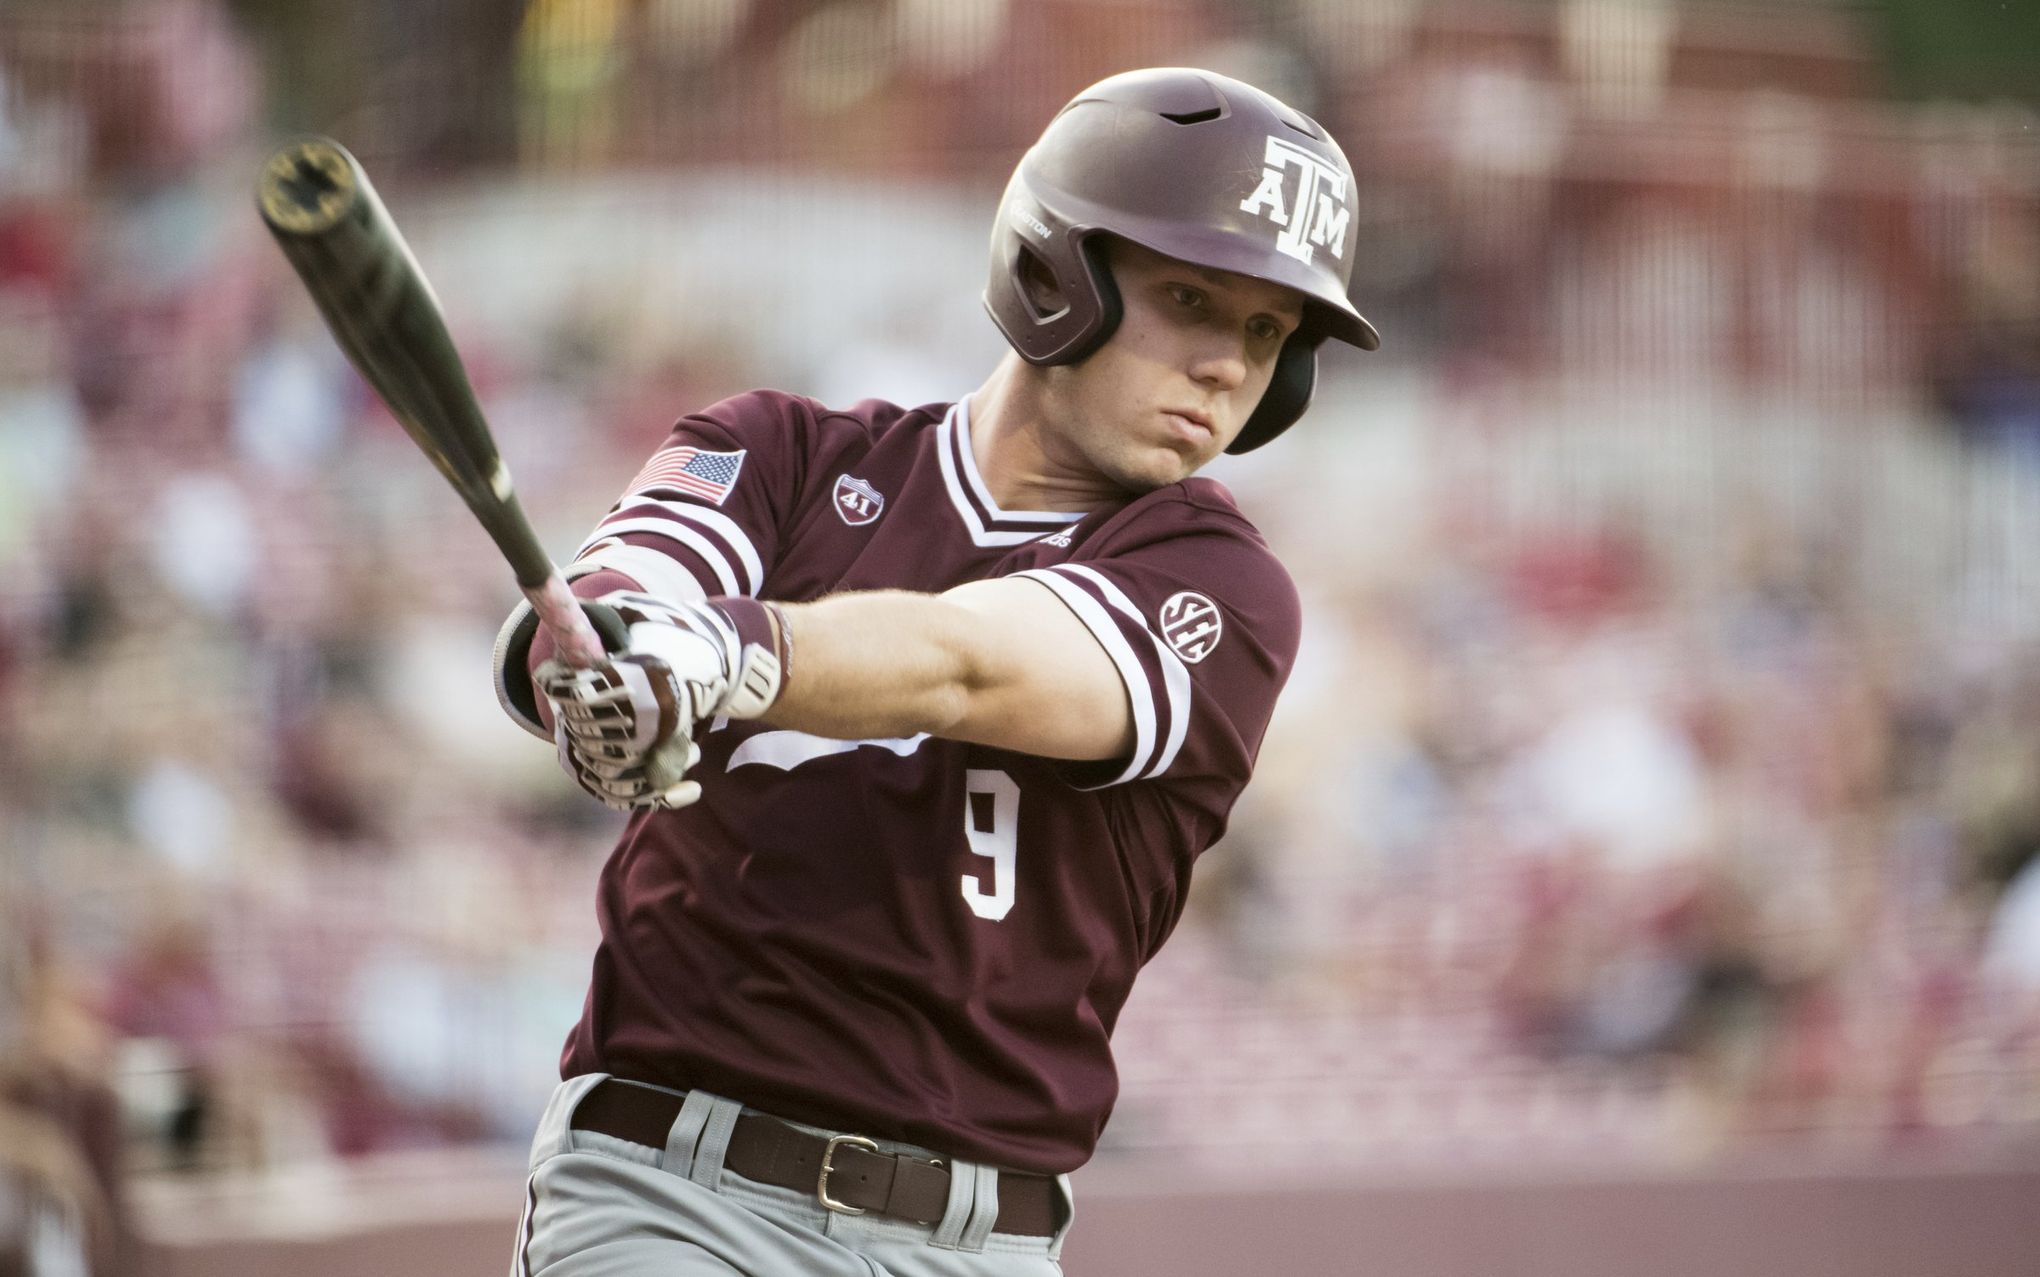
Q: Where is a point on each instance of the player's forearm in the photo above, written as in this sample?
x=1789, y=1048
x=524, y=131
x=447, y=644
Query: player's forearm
x=879, y=664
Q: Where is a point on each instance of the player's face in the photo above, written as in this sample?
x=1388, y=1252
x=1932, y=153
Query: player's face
x=1179, y=377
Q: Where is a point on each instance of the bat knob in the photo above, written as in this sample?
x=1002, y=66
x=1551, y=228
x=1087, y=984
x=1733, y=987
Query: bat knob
x=306, y=186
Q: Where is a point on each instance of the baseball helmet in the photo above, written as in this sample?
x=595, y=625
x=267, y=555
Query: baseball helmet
x=1198, y=167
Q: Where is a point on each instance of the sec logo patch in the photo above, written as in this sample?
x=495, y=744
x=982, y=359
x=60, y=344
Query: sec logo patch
x=857, y=501
x=1191, y=625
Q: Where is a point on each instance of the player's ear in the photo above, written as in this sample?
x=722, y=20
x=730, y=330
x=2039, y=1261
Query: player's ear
x=1037, y=284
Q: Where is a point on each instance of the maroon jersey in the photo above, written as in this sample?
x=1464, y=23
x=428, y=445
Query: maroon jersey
x=919, y=938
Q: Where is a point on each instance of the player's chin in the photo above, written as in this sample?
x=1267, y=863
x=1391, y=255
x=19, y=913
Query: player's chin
x=1181, y=460
x=1153, y=468
x=1136, y=478
x=1144, y=464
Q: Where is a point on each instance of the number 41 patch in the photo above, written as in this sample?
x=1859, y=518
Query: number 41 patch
x=857, y=501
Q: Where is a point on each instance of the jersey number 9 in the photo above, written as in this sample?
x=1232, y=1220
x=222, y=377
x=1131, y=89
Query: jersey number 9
x=991, y=820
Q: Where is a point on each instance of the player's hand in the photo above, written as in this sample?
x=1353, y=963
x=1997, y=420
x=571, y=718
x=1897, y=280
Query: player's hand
x=625, y=727
x=624, y=732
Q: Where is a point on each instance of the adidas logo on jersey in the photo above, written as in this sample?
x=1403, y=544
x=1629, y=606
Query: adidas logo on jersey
x=1060, y=540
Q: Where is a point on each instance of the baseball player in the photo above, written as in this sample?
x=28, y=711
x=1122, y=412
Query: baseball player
x=925, y=715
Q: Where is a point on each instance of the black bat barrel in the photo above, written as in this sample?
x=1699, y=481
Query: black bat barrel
x=327, y=219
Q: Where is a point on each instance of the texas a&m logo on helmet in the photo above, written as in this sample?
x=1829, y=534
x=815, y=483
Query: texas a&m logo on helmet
x=857, y=501
x=1316, y=214
x=1190, y=625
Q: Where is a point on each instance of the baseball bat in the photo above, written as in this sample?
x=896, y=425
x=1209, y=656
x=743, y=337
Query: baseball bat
x=318, y=204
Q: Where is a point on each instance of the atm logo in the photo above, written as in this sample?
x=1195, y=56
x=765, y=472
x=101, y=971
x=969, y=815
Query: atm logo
x=1314, y=213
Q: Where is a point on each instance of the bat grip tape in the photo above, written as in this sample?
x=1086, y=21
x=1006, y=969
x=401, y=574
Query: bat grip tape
x=512, y=657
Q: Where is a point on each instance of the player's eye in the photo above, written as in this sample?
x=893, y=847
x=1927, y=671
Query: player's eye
x=1184, y=295
x=1265, y=330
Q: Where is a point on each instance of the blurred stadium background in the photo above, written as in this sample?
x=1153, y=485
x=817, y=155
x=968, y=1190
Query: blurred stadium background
x=1641, y=875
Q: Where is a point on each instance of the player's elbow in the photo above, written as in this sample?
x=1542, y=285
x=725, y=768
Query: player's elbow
x=937, y=706
x=989, y=690
x=944, y=709
x=965, y=671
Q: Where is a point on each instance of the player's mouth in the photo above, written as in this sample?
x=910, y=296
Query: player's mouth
x=1189, y=426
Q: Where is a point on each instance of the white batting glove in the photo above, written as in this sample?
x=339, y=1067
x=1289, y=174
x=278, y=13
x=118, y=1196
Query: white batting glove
x=625, y=727
x=623, y=733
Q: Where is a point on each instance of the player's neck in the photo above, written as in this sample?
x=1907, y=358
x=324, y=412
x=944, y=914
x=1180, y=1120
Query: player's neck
x=1010, y=439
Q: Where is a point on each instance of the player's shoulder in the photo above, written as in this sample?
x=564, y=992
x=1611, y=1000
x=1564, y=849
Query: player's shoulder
x=1209, y=497
x=1197, y=510
x=766, y=414
x=1193, y=536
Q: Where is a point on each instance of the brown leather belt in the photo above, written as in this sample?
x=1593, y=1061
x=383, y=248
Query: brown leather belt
x=846, y=1172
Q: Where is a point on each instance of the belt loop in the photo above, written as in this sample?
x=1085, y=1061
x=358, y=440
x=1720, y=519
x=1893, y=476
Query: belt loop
x=1069, y=1205
x=685, y=1133
x=984, y=1208
x=956, y=1211
x=555, y=1134
x=715, y=1141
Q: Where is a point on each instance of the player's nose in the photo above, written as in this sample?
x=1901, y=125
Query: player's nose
x=1219, y=363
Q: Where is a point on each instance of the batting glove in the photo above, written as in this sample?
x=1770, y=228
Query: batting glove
x=625, y=728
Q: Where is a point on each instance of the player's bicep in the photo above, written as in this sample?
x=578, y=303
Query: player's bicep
x=1045, y=685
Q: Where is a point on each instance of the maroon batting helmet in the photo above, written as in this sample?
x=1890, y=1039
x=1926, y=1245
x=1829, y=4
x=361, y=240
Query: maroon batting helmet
x=1198, y=167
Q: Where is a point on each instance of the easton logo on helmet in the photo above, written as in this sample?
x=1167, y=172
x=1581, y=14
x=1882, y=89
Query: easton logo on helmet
x=1027, y=219
x=1191, y=624
x=1319, y=214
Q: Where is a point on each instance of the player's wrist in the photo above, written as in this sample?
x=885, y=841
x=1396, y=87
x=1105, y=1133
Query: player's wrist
x=727, y=654
x=763, y=655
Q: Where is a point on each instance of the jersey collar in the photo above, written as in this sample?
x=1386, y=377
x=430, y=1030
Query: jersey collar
x=987, y=523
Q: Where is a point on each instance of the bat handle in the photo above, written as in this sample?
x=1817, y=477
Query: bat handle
x=573, y=633
x=574, y=624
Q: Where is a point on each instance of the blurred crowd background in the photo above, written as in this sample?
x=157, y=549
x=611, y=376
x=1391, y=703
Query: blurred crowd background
x=1660, y=776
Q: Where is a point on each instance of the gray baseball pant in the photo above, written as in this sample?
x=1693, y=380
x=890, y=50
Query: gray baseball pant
x=597, y=1206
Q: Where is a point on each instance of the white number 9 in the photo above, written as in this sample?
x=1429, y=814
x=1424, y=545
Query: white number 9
x=991, y=820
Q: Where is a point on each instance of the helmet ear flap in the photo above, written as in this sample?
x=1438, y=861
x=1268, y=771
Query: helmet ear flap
x=1289, y=390
x=1055, y=301
x=1034, y=282
x=1104, y=291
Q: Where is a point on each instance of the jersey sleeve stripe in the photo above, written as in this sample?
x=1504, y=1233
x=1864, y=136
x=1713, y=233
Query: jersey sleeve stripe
x=655, y=571
x=680, y=534
x=1139, y=693
x=723, y=526
x=733, y=546
x=1176, y=683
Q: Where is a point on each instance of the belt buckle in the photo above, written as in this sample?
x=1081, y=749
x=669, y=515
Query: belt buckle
x=822, y=1180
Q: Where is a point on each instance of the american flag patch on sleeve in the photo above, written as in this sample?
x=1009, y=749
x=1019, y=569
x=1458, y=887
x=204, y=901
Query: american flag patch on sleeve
x=709, y=475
